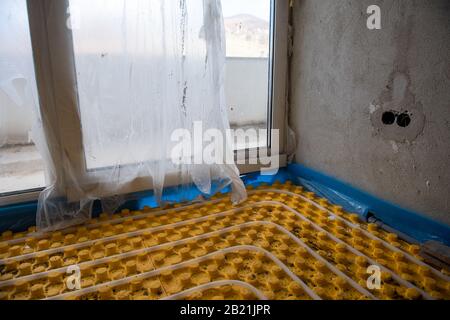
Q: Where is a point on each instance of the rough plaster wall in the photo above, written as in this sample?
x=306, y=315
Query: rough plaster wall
x=345, y=76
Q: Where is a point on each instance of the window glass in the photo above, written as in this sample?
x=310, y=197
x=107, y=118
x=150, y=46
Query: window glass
x=21, y=166
x=247, y=27
x=101, y=37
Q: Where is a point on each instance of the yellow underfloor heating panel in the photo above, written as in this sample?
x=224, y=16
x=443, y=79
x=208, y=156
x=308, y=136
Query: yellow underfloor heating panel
x=283, y=243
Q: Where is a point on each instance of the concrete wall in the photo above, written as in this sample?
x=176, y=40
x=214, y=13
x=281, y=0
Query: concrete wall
x=345, y=77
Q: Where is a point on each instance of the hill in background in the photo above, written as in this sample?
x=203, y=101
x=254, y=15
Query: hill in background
x=247, y=36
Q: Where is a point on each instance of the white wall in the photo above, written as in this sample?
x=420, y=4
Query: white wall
x=246, y=90
x=15, y=117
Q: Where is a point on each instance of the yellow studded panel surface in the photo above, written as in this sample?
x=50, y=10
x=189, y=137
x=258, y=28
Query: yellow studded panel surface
x=283, y=243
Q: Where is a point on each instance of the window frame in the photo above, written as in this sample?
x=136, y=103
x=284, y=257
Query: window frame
x=53, y=54
x=277, y=109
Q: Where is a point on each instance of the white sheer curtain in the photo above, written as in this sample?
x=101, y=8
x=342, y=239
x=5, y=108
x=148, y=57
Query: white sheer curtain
x=144, y=69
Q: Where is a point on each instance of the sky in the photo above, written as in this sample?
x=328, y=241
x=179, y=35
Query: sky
x=258, y=8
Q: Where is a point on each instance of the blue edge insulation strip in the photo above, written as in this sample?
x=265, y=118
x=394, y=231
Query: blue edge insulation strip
x=20, y=217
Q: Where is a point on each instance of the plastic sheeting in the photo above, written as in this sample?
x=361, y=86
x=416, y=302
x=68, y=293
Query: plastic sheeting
x=336, y=197
x=144, y=69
